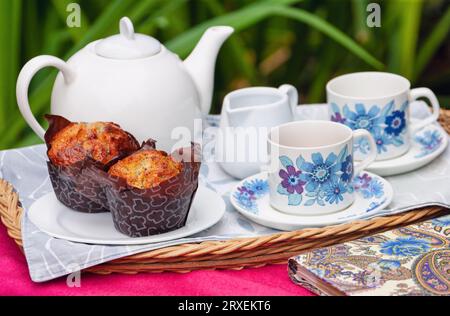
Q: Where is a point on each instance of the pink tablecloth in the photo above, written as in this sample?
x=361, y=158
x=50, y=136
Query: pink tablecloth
x=270, y=280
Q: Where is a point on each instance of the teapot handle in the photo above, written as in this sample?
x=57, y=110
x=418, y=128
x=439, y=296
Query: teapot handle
x=23, y=82
x=292, y=95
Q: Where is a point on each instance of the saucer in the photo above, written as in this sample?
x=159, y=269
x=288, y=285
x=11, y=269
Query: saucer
x=373, y=196
x=59, y=221
x=426, y=145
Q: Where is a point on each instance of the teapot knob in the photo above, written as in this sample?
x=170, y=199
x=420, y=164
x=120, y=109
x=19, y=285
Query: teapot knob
x=127, y=28
x=127, y=45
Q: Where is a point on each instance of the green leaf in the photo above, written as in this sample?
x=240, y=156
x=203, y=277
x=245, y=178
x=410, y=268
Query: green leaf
x=75, y=32
x=239, y=20
x=142, y=9
x=436, y=38
x=330, y=31
x=237, y=51
x=409, y=30
x=10, y=30
x=152, y=20
x=362, y=33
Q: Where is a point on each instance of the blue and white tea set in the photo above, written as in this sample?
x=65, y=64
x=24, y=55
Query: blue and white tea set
x=324, y=172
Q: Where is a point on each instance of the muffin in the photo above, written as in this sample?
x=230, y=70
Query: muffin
x=150, y=192
x=72, y=147
x=101, y=141
x=146, y=169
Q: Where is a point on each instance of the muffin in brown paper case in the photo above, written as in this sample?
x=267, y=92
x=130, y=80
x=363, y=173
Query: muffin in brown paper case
x=160, y=209
x=75, y=190
x=72, y=187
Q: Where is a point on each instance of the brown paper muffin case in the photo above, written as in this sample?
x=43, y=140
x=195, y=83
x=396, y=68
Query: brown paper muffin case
x=72, y=187
x=140, y=213
x=76, y=190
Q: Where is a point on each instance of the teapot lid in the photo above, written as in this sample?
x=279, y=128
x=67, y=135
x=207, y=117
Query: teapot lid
x=127, y=44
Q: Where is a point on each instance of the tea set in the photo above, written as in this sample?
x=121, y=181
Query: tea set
x=323, y=172
x=379, y=102
x=312, y=173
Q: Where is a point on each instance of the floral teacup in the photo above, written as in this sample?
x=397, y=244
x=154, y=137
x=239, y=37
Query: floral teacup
x=311, y=168
x=378, y=102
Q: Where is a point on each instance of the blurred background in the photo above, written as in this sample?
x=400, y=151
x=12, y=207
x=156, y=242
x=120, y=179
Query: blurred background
x=304, y=43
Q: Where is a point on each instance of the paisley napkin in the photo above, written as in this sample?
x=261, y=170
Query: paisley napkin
x=412, y=260
x=50, y=258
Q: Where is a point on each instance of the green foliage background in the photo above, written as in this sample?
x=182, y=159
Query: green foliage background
x=304, y=43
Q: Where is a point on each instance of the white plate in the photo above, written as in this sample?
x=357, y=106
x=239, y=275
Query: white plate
x=366, y=204
x=59, y=221
x=426, y=145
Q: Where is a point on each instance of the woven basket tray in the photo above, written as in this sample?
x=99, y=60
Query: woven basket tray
x=235, y=253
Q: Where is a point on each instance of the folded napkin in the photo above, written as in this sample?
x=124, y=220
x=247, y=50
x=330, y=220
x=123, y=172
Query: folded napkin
x=49, y=258
x=412, y=260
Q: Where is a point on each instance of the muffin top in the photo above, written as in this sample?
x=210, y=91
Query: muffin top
x=146, y=168
x=100, y=141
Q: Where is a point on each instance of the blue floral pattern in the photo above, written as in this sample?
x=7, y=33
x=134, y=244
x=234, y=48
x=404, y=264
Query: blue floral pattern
x=319, y=181
x=370, y=120
x=258, y=186
x=247, y=194
x=396, y=123
x=387, y=126
x=429, y=141
x=382, y=140
x=374, y=205
x=347, y=169
x=405, y=247
x=368, y=187
x=291, y=180
x=362, y=145
x=334, y=191
x=337, y=117
x=250, y=192
x=442, y=221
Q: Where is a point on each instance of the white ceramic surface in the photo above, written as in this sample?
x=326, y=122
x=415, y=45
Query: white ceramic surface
x=311, y=166
x=55, y=219
x=426, y=145
x=378, y=102
x=247, y=112
x=368, y=203
x=132, y=80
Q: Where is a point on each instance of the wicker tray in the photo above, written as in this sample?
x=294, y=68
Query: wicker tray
x=235, y=253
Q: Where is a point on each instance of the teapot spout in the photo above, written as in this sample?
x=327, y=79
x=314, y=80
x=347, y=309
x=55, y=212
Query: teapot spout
x=201, y=62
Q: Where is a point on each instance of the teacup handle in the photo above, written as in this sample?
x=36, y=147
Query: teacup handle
x=361, y=165
x=292, y=95
x=425, y=93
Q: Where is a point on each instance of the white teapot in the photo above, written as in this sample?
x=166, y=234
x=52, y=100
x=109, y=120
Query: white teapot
x=133, y=80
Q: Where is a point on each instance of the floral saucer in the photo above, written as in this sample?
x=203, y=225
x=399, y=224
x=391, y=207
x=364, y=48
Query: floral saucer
x=426, y=145
x=251, y=198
